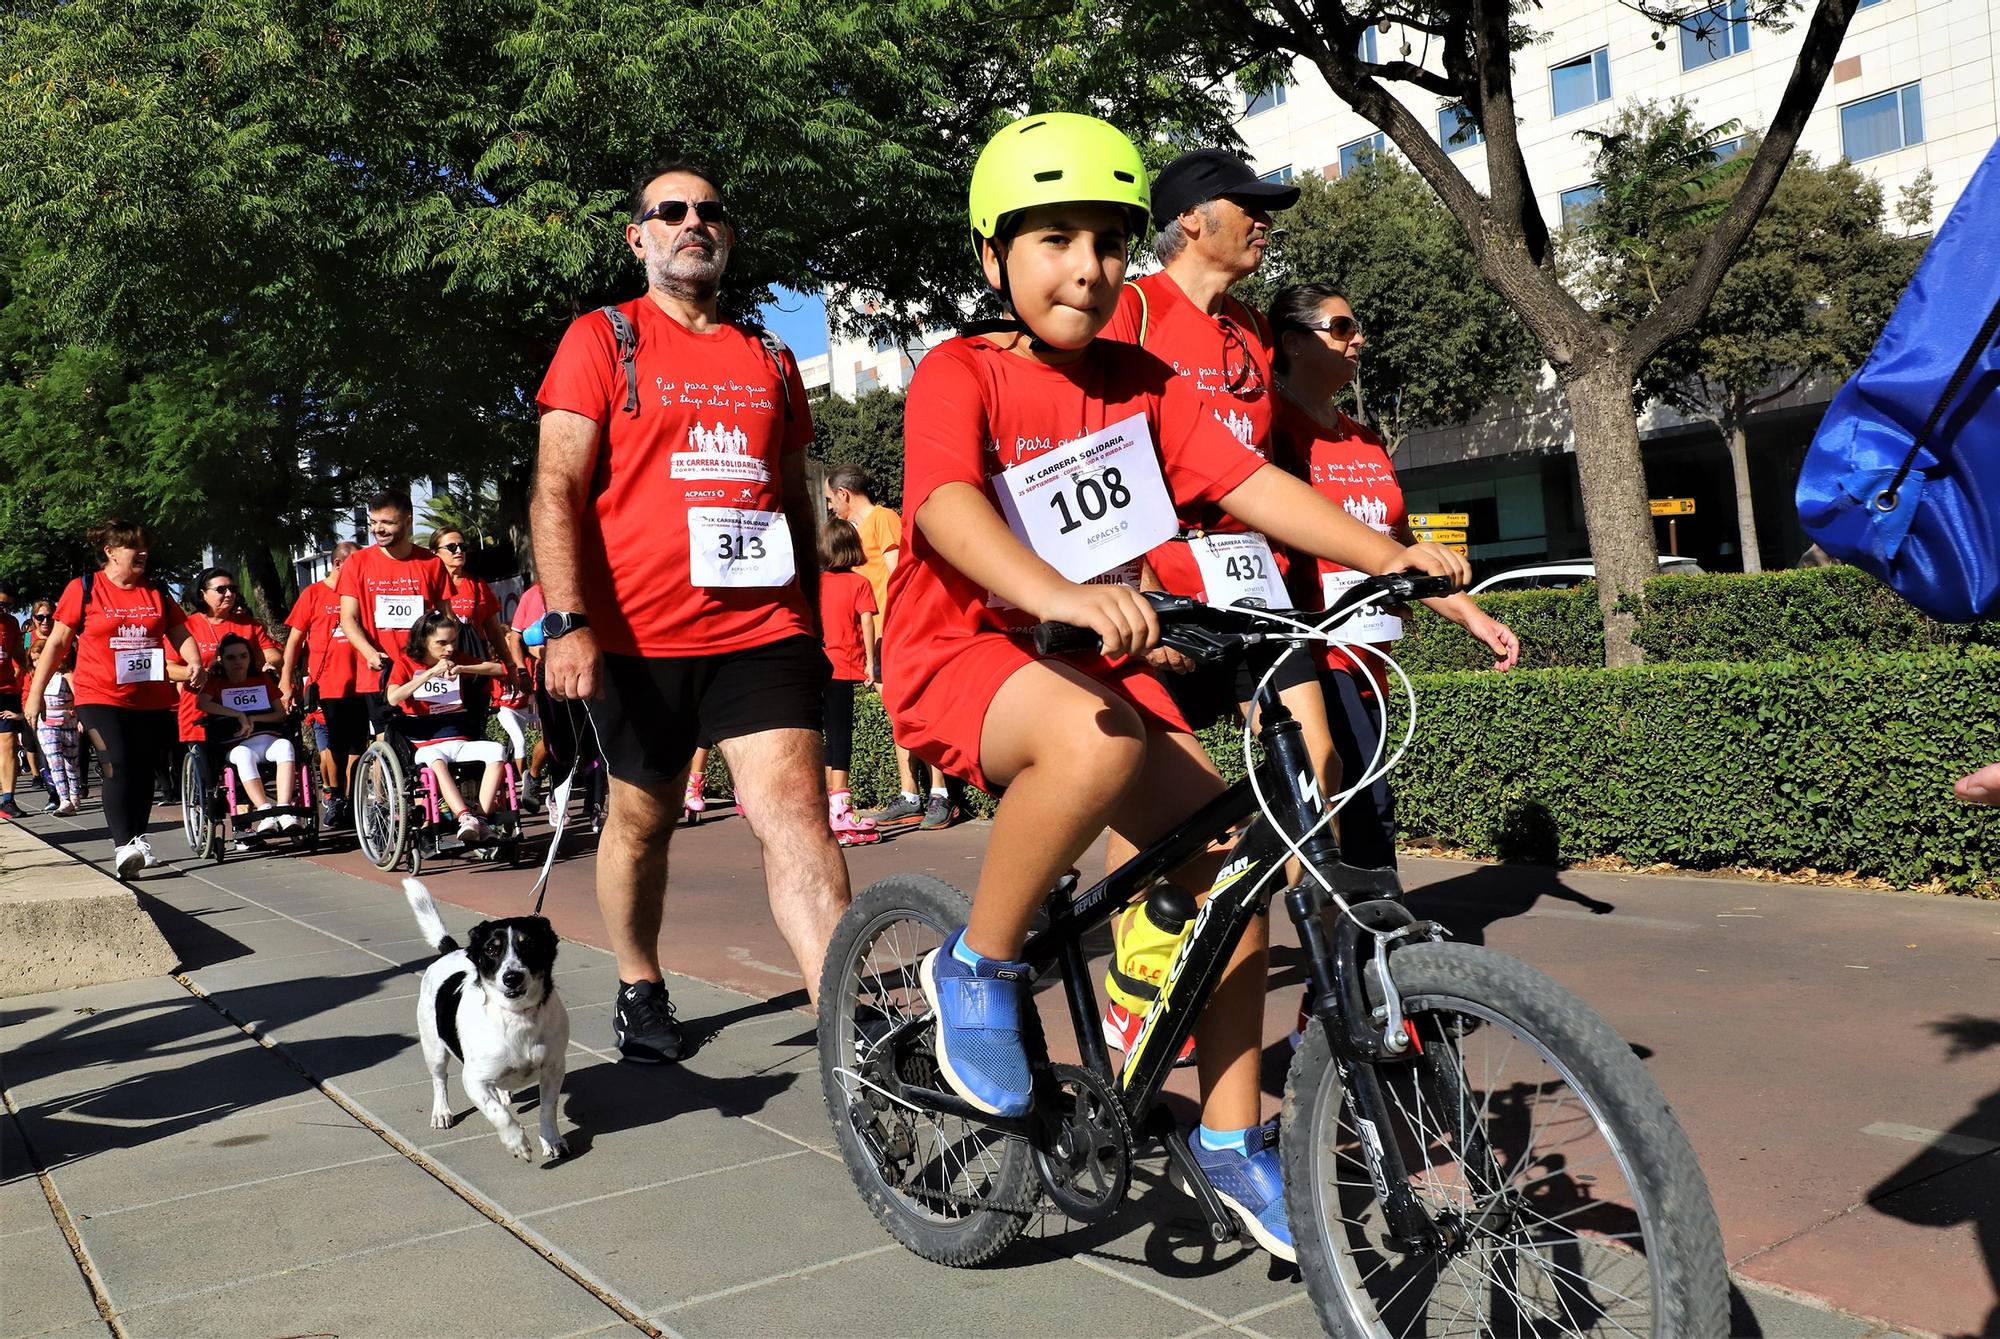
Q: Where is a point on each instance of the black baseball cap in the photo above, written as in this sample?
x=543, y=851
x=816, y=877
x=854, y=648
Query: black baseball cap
x=1210, y=174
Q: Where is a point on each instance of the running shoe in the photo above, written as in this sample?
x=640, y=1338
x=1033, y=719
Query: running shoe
x=531, y=795
x=1251, y=1186
x=146, y=850
x=65, y=809
x=8, y=809
x=268, y=823
x=695, y=801
x=643, y=1024
x=290, y=822
x=937, y=814
x=979, y=1047
x=470, y=828
x=1121, y=1032
x=128, y=859
x=899, y=810
x=331, y=810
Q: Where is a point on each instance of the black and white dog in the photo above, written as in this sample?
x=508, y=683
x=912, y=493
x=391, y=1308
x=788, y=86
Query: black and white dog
x=493, y=1005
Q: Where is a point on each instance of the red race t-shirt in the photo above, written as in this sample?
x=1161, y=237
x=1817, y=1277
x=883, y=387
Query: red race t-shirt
x=684, y=545
x=528, y=610
x=121, y=643
x=394, y=593
x=256, y=695
x=440, y=705
x=843, y=598
x=208, y=634
x=472, y=600
x=1227, y=360
x=11, y=650
x=329, y=658
x=976, y=410
x=1347, y=465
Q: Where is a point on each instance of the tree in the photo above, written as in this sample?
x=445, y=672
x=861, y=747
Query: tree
x=865, y=431
x=1467, y=59
x=1806, y=297
x=1442, y=345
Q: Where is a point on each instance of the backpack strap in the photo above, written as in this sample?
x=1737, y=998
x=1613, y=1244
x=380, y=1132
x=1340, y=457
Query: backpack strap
x=628, y=353
x=1145, y=312
x=776, y=350
x=1989, y=330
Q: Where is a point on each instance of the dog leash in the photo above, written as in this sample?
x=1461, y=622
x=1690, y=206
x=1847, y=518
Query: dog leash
x=558, y=807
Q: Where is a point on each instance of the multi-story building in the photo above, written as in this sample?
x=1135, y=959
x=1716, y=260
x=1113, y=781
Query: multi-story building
x=1914, y=89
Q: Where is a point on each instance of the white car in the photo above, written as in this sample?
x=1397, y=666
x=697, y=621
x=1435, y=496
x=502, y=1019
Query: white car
x=1562, y=576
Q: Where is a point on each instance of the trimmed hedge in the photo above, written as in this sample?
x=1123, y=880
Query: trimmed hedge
x=1829, y=764
x=1823, y=611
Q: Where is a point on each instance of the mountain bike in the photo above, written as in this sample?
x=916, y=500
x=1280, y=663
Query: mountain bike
x=1466, y=1146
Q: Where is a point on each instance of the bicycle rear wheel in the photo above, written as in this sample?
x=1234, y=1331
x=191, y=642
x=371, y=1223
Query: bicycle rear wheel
x=929, y=1179
x=1568, y=1196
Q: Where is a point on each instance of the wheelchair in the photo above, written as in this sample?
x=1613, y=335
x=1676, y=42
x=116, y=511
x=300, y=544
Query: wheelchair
x=211, y=791
x=399, y=813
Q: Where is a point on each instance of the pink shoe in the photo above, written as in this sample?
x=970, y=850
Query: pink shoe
x=694, y=802
x=850, y=828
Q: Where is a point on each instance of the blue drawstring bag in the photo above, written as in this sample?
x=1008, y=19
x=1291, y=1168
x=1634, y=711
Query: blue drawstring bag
x=1903, y=476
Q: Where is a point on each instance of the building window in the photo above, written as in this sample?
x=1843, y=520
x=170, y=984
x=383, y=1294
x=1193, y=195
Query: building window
x=1866, y=3
x=1576, y=203
x=1280, y=177
x=1882, y=124
x=1264, y=100
x=1715, y=33
x=1368, y=47
x=1578, y=83
x=1724, y=150
x=1355, y=154
x=1456, y=128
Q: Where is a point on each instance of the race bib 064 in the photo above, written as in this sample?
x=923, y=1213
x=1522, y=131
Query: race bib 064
x=1093, y=504
x=730, y=546
x=250, y=700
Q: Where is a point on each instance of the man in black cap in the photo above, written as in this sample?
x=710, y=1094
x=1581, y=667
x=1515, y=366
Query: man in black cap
x=1213, y=216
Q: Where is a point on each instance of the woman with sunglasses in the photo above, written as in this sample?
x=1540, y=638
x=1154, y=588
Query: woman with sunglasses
x=477, y=609
x=1319, y=346
x=217, y=610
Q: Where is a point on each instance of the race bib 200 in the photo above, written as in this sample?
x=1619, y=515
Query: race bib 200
x=398, y=611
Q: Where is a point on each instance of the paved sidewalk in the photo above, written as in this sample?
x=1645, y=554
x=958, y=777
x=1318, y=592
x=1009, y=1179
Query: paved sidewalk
x=249, y=1154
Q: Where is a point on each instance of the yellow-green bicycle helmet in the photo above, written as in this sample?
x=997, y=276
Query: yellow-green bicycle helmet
x=1051, y=159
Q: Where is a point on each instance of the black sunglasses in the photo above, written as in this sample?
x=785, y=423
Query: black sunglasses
x=1340, y=327
x=452, y=548
x=673, y=211
x=222, y=590
x=43, y=618
x=1239, y=370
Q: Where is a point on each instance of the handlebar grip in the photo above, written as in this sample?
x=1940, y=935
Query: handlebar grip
x=1054, y=639
x=1419, y=587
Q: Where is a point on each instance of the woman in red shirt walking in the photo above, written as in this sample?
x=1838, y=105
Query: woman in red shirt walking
x=122, y=623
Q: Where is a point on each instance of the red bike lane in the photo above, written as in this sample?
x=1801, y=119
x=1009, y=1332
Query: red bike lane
x=1827, y=1049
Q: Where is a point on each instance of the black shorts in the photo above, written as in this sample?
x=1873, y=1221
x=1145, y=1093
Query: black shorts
x=17, y=724
x=346, y=725
x=1212, y=692
x=654, y=711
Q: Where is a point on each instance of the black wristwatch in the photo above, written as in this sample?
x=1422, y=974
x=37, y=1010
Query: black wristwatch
x=560, y=623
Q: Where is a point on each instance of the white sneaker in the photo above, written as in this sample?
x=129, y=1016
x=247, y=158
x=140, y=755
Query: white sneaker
x=66, y=809
x=265, y=825
x=128, y=859
x=470, y=829
x=146, y=849
x=290, y=822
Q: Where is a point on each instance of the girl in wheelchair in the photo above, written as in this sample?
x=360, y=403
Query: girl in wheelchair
x=426, y=686
x=244, y=711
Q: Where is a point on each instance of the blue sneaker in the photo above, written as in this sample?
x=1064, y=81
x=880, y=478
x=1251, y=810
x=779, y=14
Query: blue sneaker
x=979, y=1028
x=1253, y=1187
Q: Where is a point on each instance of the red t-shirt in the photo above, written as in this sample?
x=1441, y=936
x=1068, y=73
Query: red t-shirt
x=685, y=515
x=472, y=601
x=976, y=410
x=11, y=650
x=375, y=579
x=116, y=636
x=1346, y=465
x=528, y=610
x=1212, y=354
x=441, y=705
x=843, y=598
x=219, y=689
x=329, y=658
x=208, y=634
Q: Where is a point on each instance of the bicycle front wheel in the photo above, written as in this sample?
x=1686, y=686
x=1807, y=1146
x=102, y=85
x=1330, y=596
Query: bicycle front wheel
x=1566, y=1196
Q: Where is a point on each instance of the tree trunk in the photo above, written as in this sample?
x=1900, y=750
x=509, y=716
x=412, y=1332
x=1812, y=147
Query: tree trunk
x=1746, y=511
x=267, y=586
x=1613, y=476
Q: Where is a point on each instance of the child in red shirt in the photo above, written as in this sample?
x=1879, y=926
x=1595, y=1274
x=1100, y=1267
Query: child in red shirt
x=847, y=628
x=242, y=707
x=426, y=682
x=1020, y=446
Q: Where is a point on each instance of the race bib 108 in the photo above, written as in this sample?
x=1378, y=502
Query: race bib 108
x=1093, y=504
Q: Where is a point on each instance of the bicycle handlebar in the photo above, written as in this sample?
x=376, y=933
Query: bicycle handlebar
x=1208, y=633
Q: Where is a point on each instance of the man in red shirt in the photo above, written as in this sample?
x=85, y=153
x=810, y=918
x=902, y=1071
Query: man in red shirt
x=330, y=666
x=386, y=588
x=674, y=536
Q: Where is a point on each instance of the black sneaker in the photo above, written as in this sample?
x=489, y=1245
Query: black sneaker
x=643, y=1024
x=937, y=815
x=331, y=811
x=8, y=807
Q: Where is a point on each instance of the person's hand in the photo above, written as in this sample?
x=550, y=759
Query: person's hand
x=1435, y=560
x=242, y=728
x=285, y=697
x=871, y=676
x=379, y=662
x=1119, y=615
x=1170, y=660
x=1498, y=638
x=1981, y=787
x=572, y=668
x=197, y=676
x=440, y=670
x=31, y=709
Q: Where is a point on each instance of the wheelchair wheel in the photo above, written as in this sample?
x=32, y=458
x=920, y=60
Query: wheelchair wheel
x=382, y=806
x=197, y=793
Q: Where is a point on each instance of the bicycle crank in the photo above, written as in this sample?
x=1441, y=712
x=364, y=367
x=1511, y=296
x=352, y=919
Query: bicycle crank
x=1083, y=1153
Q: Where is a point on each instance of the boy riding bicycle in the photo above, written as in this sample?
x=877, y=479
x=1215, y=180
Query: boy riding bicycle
x=1041, y=464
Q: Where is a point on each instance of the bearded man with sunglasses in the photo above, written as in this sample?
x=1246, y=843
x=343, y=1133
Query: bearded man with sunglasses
x=675, y=539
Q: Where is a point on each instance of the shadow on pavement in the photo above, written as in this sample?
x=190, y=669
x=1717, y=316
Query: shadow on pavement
x=605, y=1098
x=1469, y=902
x=1955, y=1181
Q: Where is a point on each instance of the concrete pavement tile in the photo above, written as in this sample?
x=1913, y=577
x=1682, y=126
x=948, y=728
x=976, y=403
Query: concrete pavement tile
x=482, y=1281
x=71, y=1020
x=23, y=1207
x=1759, y=1313
x=276, y=937
x=335, y=960
x=301, y=988
x=670, y=1245
x=40, y=1286
x=796, y=1109
x=891, y=1292
x=213, y=1156
x=152, y=1254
